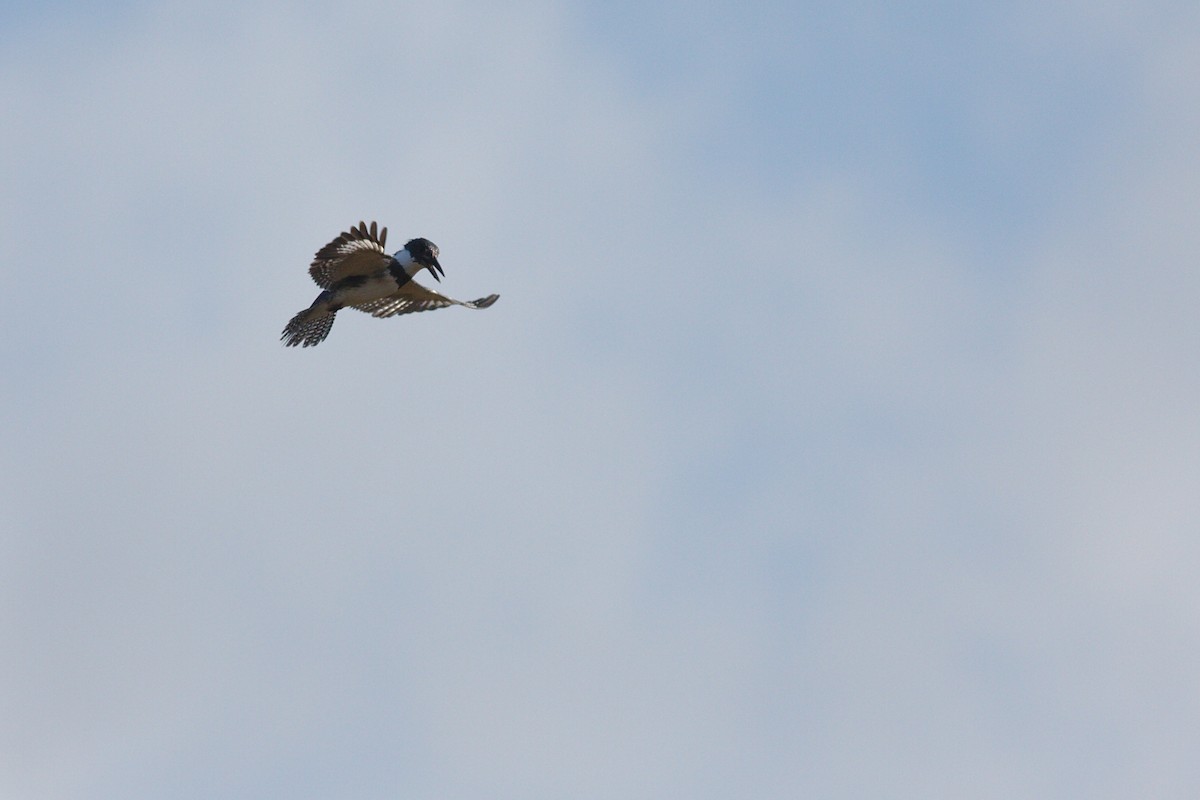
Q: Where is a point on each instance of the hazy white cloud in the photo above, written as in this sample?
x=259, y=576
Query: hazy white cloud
x=748, y=486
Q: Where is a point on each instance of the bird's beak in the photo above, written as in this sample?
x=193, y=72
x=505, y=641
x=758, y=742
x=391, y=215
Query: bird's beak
x=434, y=269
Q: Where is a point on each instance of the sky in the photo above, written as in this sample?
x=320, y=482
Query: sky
x=834, y=435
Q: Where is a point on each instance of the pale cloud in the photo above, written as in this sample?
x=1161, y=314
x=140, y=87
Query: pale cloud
x=817, y=495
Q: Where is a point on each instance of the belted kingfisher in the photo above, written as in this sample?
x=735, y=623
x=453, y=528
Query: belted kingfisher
x=355, y=270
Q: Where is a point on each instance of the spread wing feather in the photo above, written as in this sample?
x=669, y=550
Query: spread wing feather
x=358, y=251
x=413, y=297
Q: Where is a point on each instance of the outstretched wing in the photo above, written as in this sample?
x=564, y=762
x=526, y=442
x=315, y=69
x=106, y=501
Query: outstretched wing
x=413, y=297
x=358, y=251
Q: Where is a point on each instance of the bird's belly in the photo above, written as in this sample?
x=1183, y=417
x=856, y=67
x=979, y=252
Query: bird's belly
x=373, y=288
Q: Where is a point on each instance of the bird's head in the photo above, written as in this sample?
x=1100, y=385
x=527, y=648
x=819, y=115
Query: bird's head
x=425, y=253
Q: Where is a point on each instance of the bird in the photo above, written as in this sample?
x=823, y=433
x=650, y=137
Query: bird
x=355, y=270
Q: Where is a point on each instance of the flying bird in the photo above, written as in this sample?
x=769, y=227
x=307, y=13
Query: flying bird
x=355, y=270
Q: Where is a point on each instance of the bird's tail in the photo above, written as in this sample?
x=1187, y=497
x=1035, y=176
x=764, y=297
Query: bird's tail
x=309, y=327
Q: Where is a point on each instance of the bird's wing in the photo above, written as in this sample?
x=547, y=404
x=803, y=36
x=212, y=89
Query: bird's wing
x=413, y=297
x=358, y=251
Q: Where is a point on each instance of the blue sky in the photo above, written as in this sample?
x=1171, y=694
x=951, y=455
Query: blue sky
x=834, y=434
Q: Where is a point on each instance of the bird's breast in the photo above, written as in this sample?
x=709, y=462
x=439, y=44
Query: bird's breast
x=358, y=289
